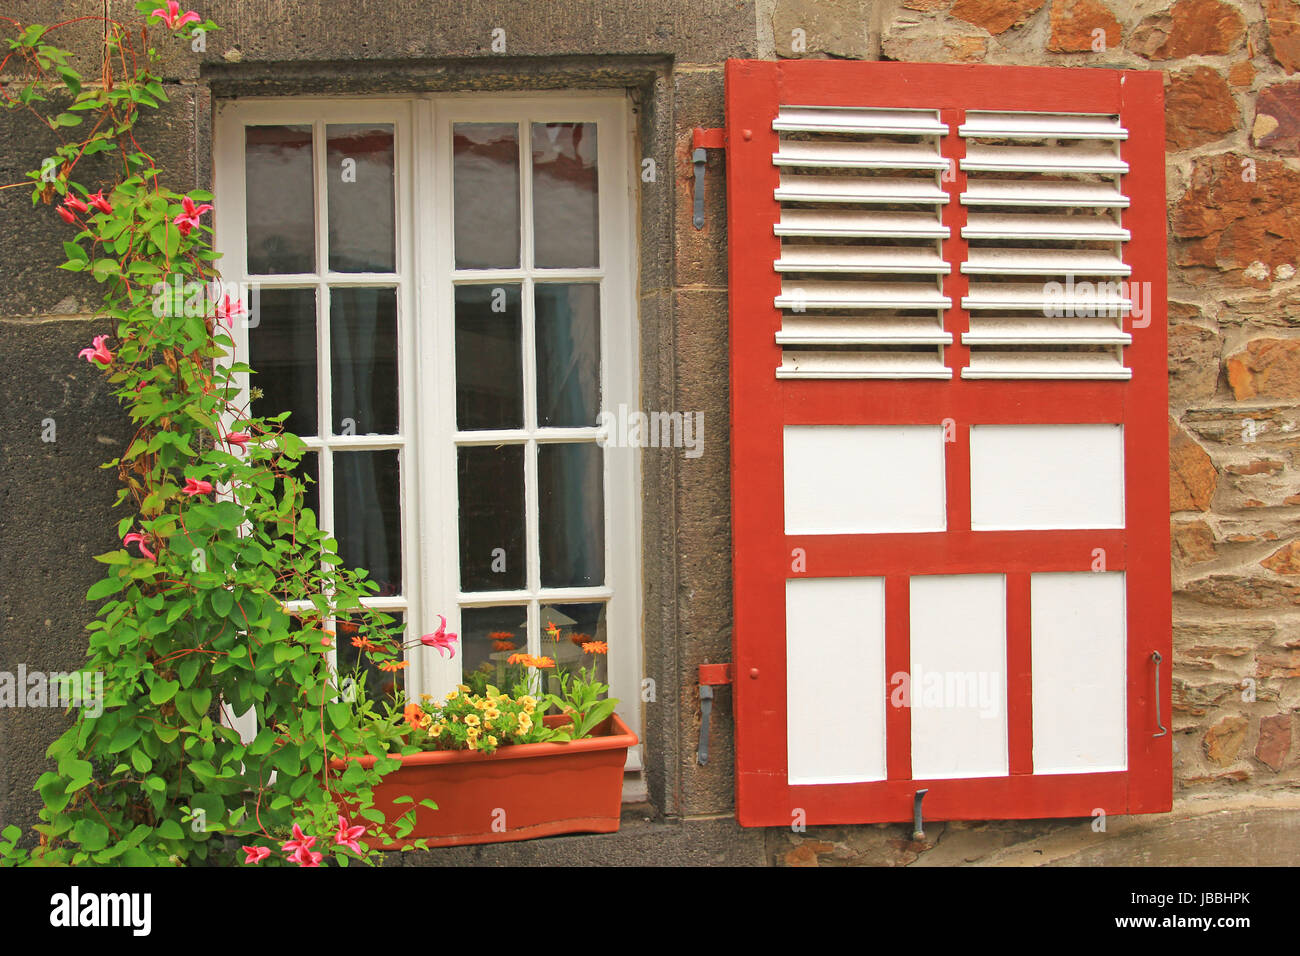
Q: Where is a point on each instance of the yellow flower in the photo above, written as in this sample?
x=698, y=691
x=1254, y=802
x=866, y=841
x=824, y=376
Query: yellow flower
x=525, y=723
x=472, y=720
x=491, y=713
x=436, y=730
x=452, y=696
x=463, y=688
x=491, y=741
x=471, y=742
x=528, y=703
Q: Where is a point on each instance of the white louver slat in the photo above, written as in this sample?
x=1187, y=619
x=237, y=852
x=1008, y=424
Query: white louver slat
x=1048, y=289
x=861, y=233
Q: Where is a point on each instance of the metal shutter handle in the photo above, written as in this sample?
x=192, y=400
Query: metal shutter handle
x=1155, y=656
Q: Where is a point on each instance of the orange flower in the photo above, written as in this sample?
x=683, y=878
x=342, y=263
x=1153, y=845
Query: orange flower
x=501, y=636
x=541, y=662
x=364, y=643
x=393, y=666
x=553, y=631
x=579, y=639
x=595, y=647
x=525, y=659
x=413, y=713
x=503, y=646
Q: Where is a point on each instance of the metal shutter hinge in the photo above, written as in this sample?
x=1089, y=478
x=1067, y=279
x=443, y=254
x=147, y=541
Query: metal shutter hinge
x=711, y=675
x=701, y=140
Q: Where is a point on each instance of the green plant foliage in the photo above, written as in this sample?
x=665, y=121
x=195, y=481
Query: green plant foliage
x=194, y=625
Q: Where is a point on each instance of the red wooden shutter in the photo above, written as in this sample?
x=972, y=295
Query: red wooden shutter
x=949, y=442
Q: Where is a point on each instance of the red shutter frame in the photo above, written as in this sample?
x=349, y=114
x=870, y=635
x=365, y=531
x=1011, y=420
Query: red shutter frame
x=761, y=405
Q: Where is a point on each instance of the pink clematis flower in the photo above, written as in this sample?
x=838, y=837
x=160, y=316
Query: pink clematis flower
x=72, y=202
x=190, y=218
x=140, y=540
x=66, y=214
x=197, y=486
x=229, y=308
x=173, y=17
x=305, y=857
x=440, y=638
x=255, y=854
x=239, y=438
x=99, y=353
x=300, y=841
x=347, y=836
x=99, y=202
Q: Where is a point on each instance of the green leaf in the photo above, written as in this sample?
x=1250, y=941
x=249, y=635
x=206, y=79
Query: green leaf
x=140, y=760
x=91, y=834
x=103, y=268
x=171, y=830
x=222, y=601
x=72, y=80
x=127, y=734
x=102, y=589
x=163, y=691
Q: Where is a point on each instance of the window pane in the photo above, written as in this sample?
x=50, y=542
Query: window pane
x=282, y=353
x=491, y=517
x=576, y=624
x=489, y=357
x=568, y=354
x=566, y=210
x=489, y=635
x=279, y=199
x=359, y=161
x=571, y=511
x=358, y=668
x=485, y=168
x=363, y=361
x=368, y=515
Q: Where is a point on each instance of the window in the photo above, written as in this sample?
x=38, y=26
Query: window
x=948, y=413
x=440, y=294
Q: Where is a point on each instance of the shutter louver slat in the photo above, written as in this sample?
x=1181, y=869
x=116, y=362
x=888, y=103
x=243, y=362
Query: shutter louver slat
x=878, y=269
x=1046, y=207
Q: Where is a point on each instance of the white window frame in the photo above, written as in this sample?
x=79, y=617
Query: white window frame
x=425, y=280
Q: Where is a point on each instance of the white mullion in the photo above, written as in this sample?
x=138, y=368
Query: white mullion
x=408, y=466
x=546, y=595
x=532, y=532
x=486, y=276
x=502, y=436
x=359, y=442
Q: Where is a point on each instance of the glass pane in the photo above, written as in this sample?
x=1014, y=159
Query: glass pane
x=359, y=160
x=489, y=357
x=571, y=512
x=491, y=517
x=355, y=666
x=489, y=635
x=368, y=515
x=282, y=353
x=363, y=361
x=566, y=210
x=485, y=168
x=568, y=354
x=575, y=625
x=280, y=202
